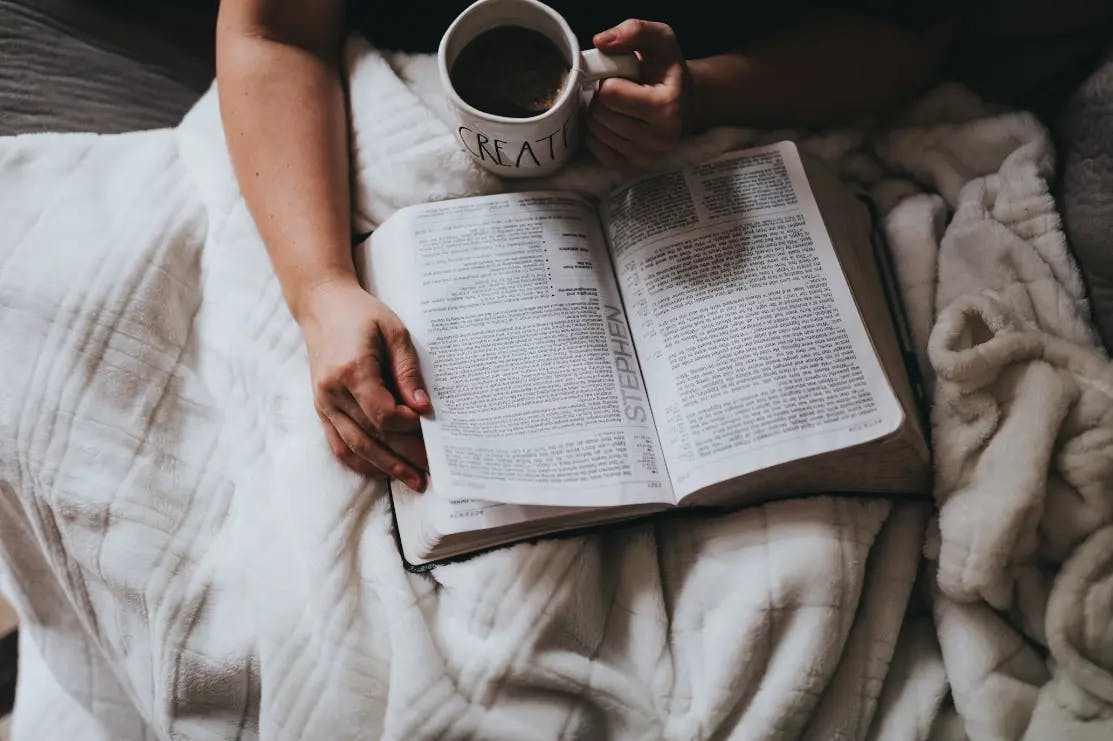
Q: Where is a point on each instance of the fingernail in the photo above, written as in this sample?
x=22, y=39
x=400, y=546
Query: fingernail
x=421, y=396
x=414, y=482
x=604, y=37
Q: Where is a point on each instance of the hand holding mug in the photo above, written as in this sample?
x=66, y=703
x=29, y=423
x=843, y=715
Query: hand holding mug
x=518, y=140
x=631, y=125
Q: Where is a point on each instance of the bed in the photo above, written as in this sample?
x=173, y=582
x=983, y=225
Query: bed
x=175, y=580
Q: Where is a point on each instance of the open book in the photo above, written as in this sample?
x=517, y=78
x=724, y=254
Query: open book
x=694, y=338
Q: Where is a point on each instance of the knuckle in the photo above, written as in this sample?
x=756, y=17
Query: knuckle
x=362, y=447
x=323, y=385
x=610, y=95
x=396, y=333
x=667, y=125
x=353, y=461
x=667, y=100
x=377, y=420
x=347, y=372
x=633, y=25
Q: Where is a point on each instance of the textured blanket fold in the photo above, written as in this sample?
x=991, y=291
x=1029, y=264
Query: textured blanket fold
x=189, y=561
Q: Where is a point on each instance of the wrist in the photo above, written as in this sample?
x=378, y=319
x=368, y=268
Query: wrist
x=723, y=92
x=699, y=114
x=306, y=299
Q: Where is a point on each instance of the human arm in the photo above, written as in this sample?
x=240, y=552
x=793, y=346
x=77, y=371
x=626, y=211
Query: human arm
x=828, y=67
x=283, y=108
x=831, y=66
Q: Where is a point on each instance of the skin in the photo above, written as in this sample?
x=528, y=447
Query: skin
x=824, y=69
x=283, y=108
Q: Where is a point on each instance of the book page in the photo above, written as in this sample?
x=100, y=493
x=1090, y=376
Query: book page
x=524, y=344
x=753, y=350
x=433, y=528
x=425, y=519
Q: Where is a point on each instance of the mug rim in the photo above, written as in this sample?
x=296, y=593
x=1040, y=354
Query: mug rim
x=569, y=88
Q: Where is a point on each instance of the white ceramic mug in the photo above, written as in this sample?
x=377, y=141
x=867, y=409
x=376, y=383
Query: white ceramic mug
x=541, y=144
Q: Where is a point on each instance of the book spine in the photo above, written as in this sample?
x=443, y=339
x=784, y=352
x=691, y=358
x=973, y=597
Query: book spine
x=893, y=298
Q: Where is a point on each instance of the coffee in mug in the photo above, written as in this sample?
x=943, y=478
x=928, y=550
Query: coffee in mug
x=514, y=74
x=510, y=71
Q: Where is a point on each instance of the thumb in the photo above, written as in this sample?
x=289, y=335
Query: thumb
x=632, y=35
x=406, y=371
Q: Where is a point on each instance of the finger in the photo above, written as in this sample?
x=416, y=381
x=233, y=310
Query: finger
x=607, y=156
x=637, y=35
x=655, y=139
x=342, y=399
x=374, y=452
x=620, y=124
x=631, y=152
x=381, y=409
x=649, y=103
x=341, y=450
x=409, y=447
x=374, y=408
x=406, y=370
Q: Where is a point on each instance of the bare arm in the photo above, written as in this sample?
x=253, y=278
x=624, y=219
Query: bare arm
x=831, y=66
x=283, y=109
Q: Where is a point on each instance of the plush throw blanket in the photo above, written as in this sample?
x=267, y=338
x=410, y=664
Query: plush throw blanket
x=190, y=562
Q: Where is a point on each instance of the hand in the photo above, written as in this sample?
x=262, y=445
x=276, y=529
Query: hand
x=631, y=125
x=367, y=385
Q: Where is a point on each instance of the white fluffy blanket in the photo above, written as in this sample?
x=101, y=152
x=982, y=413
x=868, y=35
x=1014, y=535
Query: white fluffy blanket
x=188, y=560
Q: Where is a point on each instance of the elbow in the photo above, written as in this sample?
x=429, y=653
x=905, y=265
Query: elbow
x=243, y=25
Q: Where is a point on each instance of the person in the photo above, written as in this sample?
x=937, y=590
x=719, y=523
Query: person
x=789, y=63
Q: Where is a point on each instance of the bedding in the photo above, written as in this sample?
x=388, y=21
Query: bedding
x=108, y=66
x=189, y=561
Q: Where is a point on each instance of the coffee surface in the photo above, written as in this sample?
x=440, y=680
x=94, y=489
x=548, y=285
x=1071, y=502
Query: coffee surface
x=510, y=71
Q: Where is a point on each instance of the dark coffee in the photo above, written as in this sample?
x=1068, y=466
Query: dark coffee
x=510, y=71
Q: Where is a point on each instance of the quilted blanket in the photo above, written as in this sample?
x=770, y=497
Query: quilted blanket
x=190, y=562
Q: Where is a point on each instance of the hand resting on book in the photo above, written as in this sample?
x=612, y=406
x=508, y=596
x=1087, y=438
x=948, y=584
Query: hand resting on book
x=704, y=337
x=282, y=105
x=367, y=428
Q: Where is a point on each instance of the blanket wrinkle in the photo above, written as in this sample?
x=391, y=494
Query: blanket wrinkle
x=1021, y=427
x=241, y=583
x=1080, y=638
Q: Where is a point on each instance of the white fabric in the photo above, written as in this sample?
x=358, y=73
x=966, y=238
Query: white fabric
x=189, y=561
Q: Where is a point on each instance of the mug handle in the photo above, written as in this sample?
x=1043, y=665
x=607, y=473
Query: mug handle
x=596, y=65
